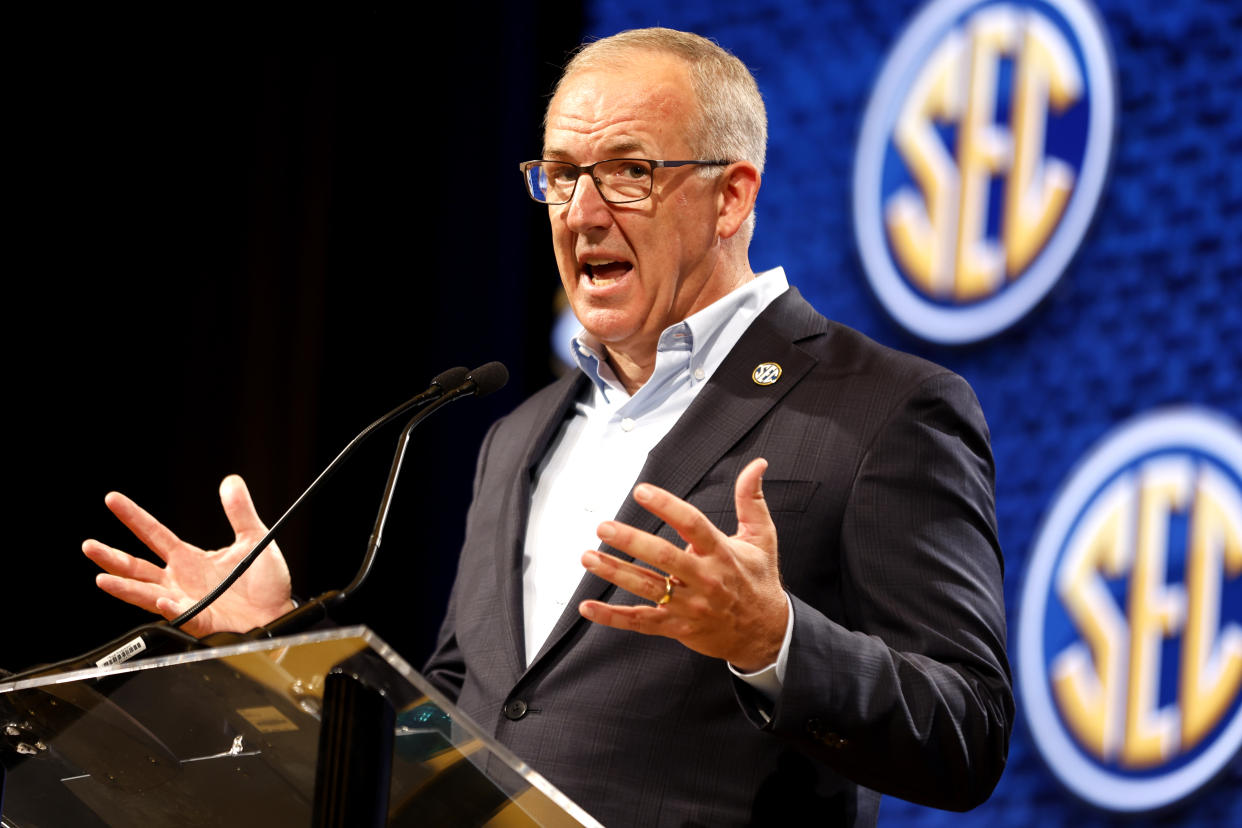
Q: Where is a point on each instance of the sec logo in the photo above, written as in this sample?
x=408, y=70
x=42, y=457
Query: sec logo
x=766, y=373
x=1130, y=623
x=982, y=155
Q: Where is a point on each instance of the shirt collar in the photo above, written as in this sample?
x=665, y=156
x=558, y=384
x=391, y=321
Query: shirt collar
x=707, y=335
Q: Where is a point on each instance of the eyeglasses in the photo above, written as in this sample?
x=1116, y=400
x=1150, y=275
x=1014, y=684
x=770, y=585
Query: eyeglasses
x=619, y=180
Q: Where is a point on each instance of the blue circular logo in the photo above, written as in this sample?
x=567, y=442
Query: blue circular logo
x=982, y=156
x=1129, y=654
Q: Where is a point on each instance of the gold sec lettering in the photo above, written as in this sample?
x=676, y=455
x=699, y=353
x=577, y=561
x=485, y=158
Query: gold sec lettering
x=938, y=234
x=1155, y=611
x=1038, y=186
x=983, y=151
x=1211, y=669
x=922, y=229
x=1107, y=685
x=1088, y=679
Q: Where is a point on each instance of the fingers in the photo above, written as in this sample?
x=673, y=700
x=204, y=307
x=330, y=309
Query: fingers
x=754, y=521
x=725, y=595
x=131, y=579
x=748, y=491
x=646, y=620
x=171, y=608
x=644, y=546
x=139, y=593
x=691, y=524
x=638, y=580
x=650, y=620
x=121, y=564
x=239, y=507
x=158, y=538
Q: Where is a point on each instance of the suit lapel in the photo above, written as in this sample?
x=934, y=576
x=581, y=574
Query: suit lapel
x=731, y=404
x=727, y=408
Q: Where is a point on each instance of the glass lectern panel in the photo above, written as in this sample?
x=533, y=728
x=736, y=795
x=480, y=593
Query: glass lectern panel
x=258, y=734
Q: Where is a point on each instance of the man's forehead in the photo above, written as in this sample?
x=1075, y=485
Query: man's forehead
x=620, y=110
x=615, y=141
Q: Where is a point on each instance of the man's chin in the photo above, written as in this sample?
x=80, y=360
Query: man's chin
x=614, y=329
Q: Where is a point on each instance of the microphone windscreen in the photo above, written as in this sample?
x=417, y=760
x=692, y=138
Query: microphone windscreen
x=488, y=378
x=452, y=378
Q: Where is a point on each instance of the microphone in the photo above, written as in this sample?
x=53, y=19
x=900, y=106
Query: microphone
x=480, y=382
x=487, y=378
x=452, y=380
x=447, y=386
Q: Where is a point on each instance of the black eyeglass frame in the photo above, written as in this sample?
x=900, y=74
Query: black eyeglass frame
x=589, y=169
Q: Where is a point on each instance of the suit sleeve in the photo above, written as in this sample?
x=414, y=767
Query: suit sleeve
x=907, y=689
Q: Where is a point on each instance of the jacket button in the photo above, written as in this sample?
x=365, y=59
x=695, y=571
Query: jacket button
x=515, y=709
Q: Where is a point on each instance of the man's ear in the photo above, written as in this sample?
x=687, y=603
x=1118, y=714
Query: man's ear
x=738, y=187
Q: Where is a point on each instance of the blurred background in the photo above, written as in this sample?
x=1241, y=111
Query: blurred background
x=240, y=240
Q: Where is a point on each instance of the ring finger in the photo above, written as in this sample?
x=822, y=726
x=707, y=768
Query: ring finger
x=638, y=580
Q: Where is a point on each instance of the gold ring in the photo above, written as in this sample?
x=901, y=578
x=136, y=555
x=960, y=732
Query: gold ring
x=668, y=591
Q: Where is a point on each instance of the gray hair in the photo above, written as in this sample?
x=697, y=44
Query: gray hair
x=732, y=124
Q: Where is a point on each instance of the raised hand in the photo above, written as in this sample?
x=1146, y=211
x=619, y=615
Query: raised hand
x=259, y=596
x=725, y=597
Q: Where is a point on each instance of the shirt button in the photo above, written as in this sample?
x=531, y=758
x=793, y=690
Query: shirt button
x=515, y=710
x=699, y=373
x=627, y=424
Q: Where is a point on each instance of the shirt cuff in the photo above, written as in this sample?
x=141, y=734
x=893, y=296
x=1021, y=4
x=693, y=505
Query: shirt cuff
x=769, y=680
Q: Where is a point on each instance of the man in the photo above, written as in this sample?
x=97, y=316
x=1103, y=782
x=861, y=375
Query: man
x=694, y=675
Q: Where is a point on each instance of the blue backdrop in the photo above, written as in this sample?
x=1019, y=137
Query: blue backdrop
x=1146, y=315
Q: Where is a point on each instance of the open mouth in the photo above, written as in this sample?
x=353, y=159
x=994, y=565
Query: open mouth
x=603, y=272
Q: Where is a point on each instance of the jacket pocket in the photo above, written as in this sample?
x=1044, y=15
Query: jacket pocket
x=716, y=497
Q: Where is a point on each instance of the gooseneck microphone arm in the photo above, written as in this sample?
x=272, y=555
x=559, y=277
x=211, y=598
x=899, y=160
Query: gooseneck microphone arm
x=444, y=384
x=480, y=382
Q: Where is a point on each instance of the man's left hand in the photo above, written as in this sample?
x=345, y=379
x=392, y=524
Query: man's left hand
x=727, y=601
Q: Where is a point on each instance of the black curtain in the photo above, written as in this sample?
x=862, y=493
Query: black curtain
x=231, y=256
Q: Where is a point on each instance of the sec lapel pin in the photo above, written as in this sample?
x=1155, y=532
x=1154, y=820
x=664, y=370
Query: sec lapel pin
x=766, y=373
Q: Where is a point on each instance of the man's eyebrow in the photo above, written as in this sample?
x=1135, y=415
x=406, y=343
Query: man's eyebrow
x=623, y=149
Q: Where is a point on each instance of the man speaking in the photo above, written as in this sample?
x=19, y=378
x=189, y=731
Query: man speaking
x=796, y=605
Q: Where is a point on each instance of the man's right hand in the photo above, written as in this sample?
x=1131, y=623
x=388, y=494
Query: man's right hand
x=189, y=573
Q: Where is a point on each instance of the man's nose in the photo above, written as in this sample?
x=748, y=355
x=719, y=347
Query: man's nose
x=587, y=210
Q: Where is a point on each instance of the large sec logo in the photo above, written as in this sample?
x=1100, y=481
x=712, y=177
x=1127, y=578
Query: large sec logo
x=982, y=155
x=1130, y=623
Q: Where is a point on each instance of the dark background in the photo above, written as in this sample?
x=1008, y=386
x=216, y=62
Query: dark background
x=236, y=240
x=231, y=259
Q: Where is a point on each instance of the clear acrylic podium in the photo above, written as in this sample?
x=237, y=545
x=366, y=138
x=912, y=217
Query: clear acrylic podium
x=328, y=728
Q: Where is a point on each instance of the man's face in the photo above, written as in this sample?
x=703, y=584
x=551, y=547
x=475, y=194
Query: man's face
x=631, y=270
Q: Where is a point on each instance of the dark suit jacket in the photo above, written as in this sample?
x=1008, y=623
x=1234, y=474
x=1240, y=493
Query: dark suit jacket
x=880, y=482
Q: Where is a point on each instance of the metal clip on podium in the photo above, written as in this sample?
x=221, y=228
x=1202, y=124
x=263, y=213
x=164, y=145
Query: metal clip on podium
x=329, y=728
